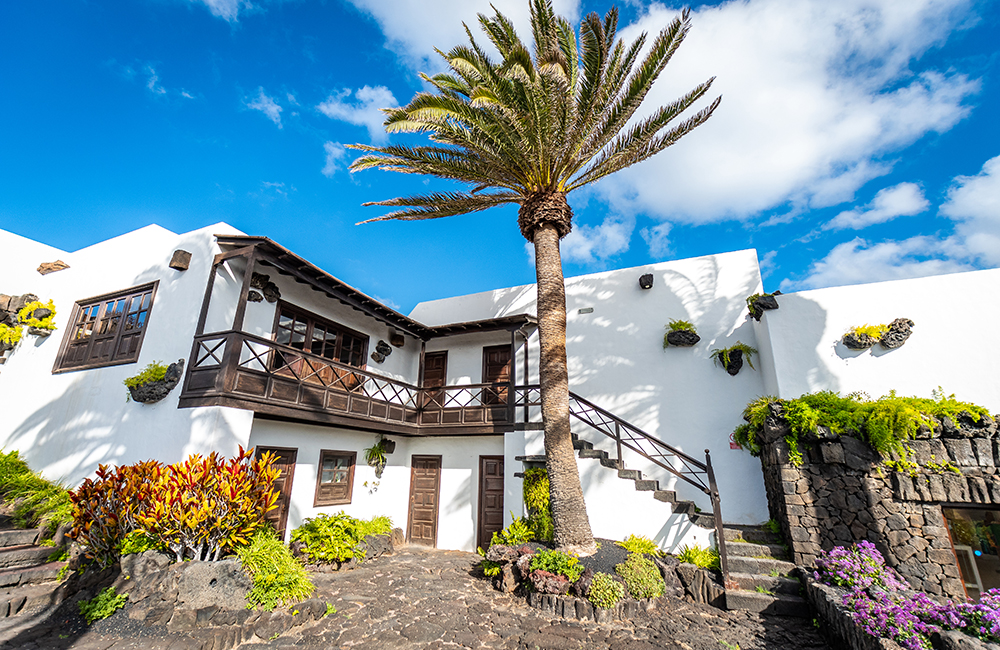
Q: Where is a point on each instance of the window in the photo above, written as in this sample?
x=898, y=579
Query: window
x=107, y=330
x=312, y=334
x=335, y=478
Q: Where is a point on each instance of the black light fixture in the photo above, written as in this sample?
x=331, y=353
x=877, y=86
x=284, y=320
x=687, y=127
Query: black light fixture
x=646, y=280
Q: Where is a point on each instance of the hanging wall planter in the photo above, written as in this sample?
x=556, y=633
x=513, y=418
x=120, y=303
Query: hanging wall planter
x=899, y=330
x=731, y=358
x=154, y=382
x=889, y=336
x=376, y=455
x=680, y=333
x=758, y=303
x=39, y=317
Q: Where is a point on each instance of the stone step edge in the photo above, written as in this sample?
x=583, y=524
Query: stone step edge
x=777, y=584
x=755, y=550
x=777, y=604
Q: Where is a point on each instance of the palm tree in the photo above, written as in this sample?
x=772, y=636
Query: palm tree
x=528, y=129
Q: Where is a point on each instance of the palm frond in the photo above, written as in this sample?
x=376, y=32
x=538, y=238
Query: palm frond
x=442, y=204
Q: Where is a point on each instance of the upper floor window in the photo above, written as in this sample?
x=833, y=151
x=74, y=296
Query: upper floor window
x=106, y=330
x=310, y=333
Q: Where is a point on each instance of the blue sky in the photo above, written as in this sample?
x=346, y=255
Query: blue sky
x=857, y=140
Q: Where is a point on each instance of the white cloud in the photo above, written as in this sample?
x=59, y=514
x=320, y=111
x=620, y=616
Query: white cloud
x=413, y=29
x=265, y=105
x=903, y=200
x=364, y=111
x=858, y=262
x=767, y=264
x=186, y=95
x=153, y=82
x=593, y=244
x=657, y=238
x=228, y=10
x=817, y=95
x=974, y=201
x=335, y=152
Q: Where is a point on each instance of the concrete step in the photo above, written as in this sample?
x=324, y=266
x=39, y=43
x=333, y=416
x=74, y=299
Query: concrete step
x=30, y=597
x=774, y=584
x=24, y=556
x=612, y=463
x=531, y=459
x=18, y=537
x=582, y=444
x=647, y=485
x=633, y=474
x=31, y=575
x=685, y=507
x=755, y=534
x=704, y=520
x=747, y=549
x=776, y=604
x=666, y=496
x=758, y=566
x=592, y=453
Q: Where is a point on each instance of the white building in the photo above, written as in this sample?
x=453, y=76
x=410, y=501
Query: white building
x=312, y=368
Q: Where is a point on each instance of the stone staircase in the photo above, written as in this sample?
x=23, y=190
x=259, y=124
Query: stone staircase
x=586, y=449
x=758, y=563
x=28, y=580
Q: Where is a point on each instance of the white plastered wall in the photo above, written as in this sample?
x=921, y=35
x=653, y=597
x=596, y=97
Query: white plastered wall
x=458, y=507
x=66, y=424
x=616, y=360
x=952, y=344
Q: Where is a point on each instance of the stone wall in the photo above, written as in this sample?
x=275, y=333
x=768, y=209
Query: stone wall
x=843, y=492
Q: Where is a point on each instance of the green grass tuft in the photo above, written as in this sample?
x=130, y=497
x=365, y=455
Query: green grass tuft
x=278, y=578
x=37, y=502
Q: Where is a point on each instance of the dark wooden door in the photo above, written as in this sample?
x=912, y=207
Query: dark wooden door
x=425, y=490
x=490, y=499
x=435, y=375
x=285, y=462
x=496, y=371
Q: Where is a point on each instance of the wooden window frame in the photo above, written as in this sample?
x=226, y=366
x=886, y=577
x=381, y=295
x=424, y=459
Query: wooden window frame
x=101, y=301
x=317, y=501
x=312, y=319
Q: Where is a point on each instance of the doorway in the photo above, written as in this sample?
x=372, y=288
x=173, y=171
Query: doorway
x=285, y=464
x=425, y=491
x=490, y=499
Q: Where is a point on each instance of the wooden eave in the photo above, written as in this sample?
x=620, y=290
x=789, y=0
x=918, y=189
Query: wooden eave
x=270, y=253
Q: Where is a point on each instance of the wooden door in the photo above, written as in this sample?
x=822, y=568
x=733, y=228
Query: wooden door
x=496, y=371
x=285, y=462
x=425, y=490
x=490, y=499
x=435, y=375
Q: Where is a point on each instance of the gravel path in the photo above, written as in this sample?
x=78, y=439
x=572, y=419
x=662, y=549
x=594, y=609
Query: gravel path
x=424, y=598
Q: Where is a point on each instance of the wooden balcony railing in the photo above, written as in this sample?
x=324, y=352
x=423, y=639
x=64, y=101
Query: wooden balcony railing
x=243, y=370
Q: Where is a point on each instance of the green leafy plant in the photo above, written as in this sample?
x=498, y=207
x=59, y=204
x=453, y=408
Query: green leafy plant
x=376, y=454
x=102, y=605
x=773, y=526
x=641, y=545
x=605, y=591
x=63, y=572
x=155, y=371
x=278, y=578
x=752, y=299
x=330, y=609
x=536, y=499
x=941, y=468
x=10, y=335
x=519, y=532
x=885, y=423
x=706, y=558
x=642, y=577
x=138, y=541
x=729, y=646
x=721, y=355
x=677, y=325
x=874, y=331
x=490, y=569
x=26, y=315
x=761, y=589
x=36, y=501
x=557, y=562
x=338, y=537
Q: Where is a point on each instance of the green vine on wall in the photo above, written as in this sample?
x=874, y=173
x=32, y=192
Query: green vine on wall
x=885, y=423
x=536, y=500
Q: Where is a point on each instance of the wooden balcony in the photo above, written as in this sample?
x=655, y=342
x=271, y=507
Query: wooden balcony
x=245, y=371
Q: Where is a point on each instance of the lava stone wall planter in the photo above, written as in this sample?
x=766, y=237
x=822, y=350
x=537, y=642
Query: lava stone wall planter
x=843, y=493
x=154, y=391
x=682, y=338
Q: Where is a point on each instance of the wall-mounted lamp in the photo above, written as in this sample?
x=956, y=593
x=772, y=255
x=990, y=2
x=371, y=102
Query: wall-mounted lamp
x=646, y=281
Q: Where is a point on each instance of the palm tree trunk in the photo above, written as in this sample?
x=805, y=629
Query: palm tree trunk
x=569, y=512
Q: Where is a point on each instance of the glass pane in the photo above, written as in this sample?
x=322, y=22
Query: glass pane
x=974, y=537
x=318, y=338
x=146, y=299
x=336, y=469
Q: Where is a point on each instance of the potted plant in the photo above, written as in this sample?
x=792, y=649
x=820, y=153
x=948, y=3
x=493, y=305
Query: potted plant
x=154, y=381
x=376, y=455
x=680, y=333
x=39, y=317
x=732, y=357
x=862, y=337
x=758, y=303
x=9, y=336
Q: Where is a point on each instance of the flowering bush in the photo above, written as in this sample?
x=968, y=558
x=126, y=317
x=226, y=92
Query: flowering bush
x=859, y=567
x=888, y=616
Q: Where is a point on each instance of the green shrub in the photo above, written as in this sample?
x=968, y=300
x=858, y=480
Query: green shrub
x=37, y=502
x=605, y=591
x=678, y=325
x=721, y=355
x=155, y=371
x=278, y=578
x=337, y=537
x=537, y=501
x=706, y=558
x=557, y=562
x=139, y=542
x=514, y=535
x=102, y=605
x=885, y=423
x=641, y=545
x=490, y=569
x=874, y=331
x=642, y=577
